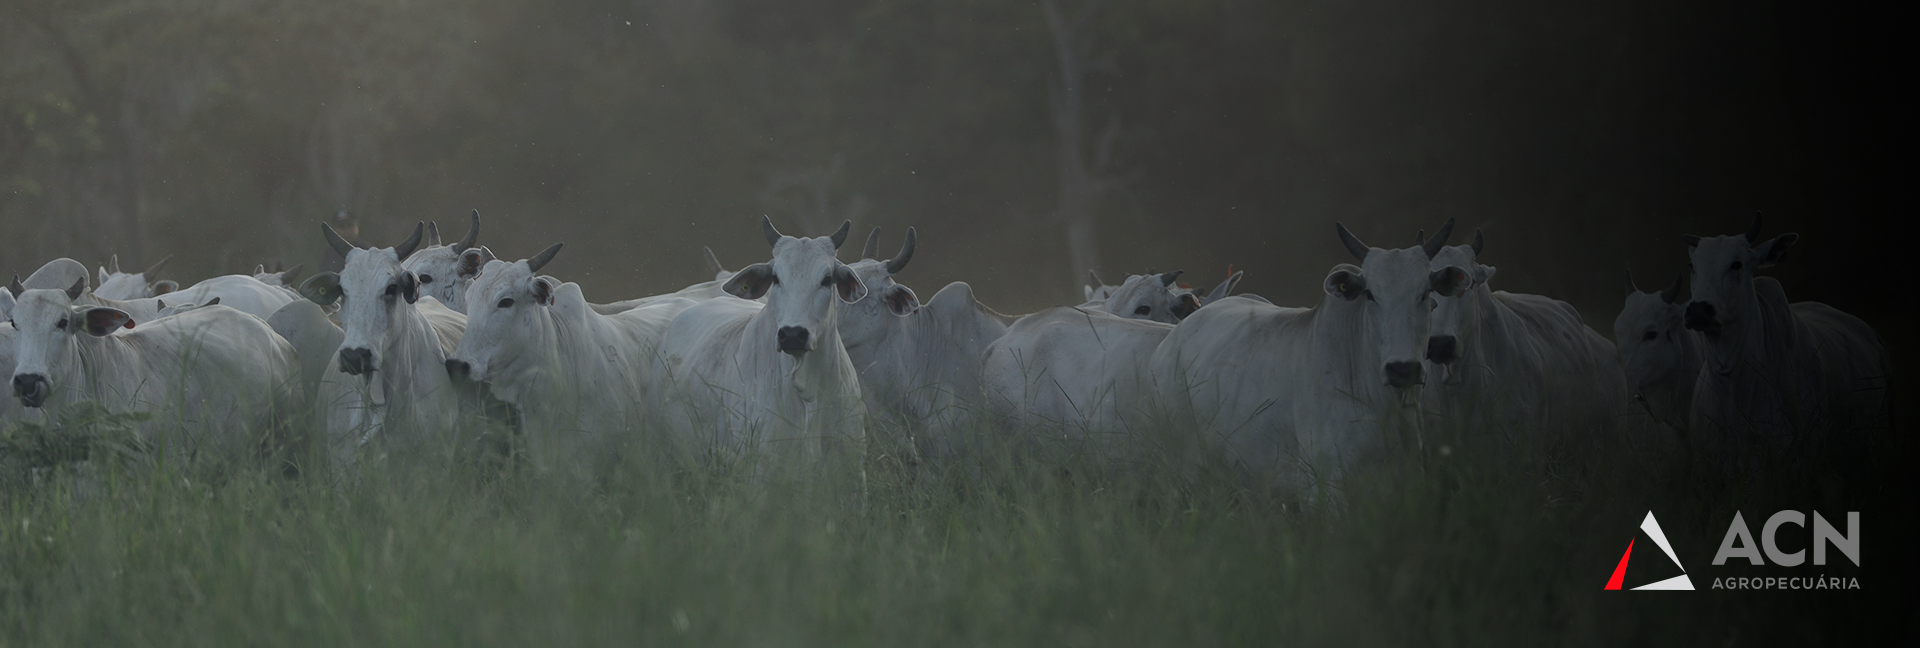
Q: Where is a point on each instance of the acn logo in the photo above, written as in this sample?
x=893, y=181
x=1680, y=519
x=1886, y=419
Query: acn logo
x=1652, y=528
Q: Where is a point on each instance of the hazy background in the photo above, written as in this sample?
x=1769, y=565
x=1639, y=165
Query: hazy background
x=1582, y=136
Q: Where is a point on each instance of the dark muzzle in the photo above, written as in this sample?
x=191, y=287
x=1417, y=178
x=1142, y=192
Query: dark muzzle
x=793, y=340
x=1442, y=349
x=1404, y=374
x=358, y=362
x=1700, y=317
x=32, y=389
x=458, y=369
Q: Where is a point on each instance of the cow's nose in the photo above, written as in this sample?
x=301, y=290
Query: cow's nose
x=356, y=361
x=1441, y=349
x=31, y=388
x=1403, y=374
x=458, y=368
x=1700, y=317
x=793, y=340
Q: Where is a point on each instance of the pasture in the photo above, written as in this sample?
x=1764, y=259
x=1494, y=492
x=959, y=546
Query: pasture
x=1476, y=540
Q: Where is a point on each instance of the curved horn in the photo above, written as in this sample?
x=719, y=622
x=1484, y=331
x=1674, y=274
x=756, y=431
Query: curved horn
x=291, y=272
x=338, y=244
x=433, y=233
x=154, y=270
x=872, y=249
x=1167, y=279
x=15, y=286
x=1631, y=289
x=1093, y=280
x=713, y=262
x=899, y=261
x=1439, y=240
x=473, y=233
x=1671, y=294
x=1420, y=237
x=79, y=286
x=1353, y=243
x=773, y=235
x=1479, y=241
x=113, y=264
x=405, y=248
x=540, y=260
x=1692, y=240
x=1753, y=231
x=840, y=235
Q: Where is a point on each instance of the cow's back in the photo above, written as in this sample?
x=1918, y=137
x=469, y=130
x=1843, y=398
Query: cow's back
x=1242, y=376
x=1847, y=358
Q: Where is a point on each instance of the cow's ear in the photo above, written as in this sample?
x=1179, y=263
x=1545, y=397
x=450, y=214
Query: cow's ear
x=164, y=286
x=6, y=304
x=900, y=300
x=1771, y=251
x=1346, y=282
x=1486, y=273
x=543, y=291
x=322, y=288
x=472, y=260
x=103, y=274
x=1185, y=305
x=1450, y=281
x=101, y=321
x=751, y=282
x=847, y=284
x=409, y=286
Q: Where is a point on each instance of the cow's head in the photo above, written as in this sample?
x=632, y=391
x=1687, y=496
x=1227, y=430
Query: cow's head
x=802, y=284
x=1722, y=269
x=47, y=322
x=371, y=286
x=1097, y=289
x=444, y=270
x=865, y=319
x=1456, y=317
x=1153, y=297
x=1396, y=290
x=505, y=306
x=115, y=284
x=1650, y=334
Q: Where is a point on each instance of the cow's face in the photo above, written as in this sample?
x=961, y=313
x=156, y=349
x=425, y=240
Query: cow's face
x=1397, y=289
x=864, y=320
x=1152, y=297
x=1455, y=317
x=46, y=322
x=1650, y=335
x=371, y=287
x=802, y=284
x=1723, y=275
x=444, y=271
x=504, y=306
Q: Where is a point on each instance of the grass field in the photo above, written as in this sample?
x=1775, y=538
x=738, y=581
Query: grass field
x=1484, y=543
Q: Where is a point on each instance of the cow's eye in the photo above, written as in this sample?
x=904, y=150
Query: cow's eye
x=506, y=303
x=1651, y=335
x=827, y=280
x=1143, y=309
x=773, y=279
x=62, y=324
x=393, y=289
x=426, y=279
x=1735, y=266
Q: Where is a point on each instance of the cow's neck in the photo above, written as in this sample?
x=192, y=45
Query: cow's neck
x=1741, y=343
x=413, y=350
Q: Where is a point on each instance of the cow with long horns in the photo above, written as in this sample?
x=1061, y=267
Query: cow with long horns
x=445, y=270
x=1660, y=356
x=738, y=377
x=1296, y=396
x=391, y=392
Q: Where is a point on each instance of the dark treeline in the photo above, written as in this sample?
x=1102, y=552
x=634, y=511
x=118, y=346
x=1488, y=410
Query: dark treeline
x=1581, y=136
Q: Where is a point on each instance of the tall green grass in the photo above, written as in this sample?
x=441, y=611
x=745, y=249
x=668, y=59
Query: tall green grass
x=1478, y=541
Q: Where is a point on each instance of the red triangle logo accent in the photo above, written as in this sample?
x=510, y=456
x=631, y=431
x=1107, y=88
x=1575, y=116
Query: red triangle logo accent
x=1620, y=572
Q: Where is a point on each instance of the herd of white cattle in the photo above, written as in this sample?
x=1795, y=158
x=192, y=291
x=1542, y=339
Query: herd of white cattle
x=801, y=355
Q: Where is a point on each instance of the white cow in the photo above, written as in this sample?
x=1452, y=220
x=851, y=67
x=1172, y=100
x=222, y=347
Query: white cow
x=213, y=380
x=10, y=409
x=61, y=273
x=1523, y=365
x=1660, y=356
x=578, y=379
x=115, y=284
x=239, y=292
x=397, y=396
x=919, y=363
x=1150, y=297
x=445, y=271
x=1296, y=396
x=702, y=291
x=1072, y=373
x=1776, y=374
x=740, y=377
